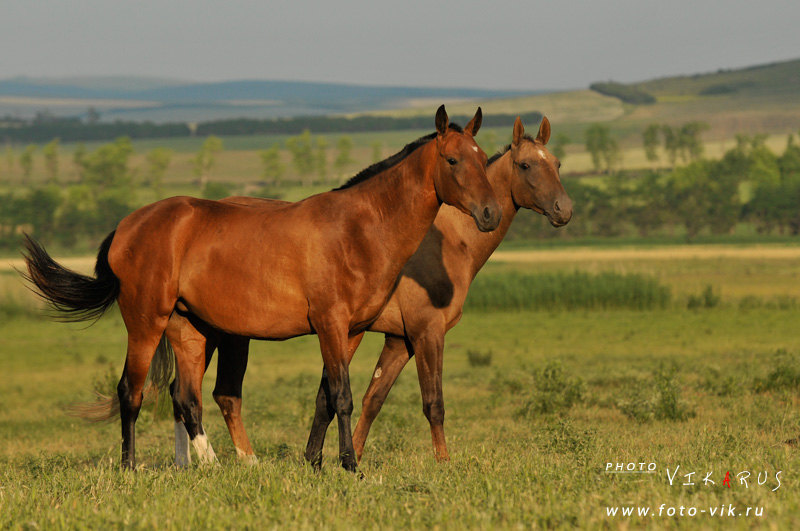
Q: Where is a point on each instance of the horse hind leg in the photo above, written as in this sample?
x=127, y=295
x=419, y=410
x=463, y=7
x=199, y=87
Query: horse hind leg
x=190, y=346
x=231, y=366
x=141, y=348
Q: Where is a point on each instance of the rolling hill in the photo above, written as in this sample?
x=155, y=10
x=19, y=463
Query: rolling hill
x=170, y=100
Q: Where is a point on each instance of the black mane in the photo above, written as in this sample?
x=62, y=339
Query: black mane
x=503, y=151
x=384, y=165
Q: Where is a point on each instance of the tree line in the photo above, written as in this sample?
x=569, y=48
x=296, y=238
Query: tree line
x=749, y=184
x=47, y=127
x=102, y=186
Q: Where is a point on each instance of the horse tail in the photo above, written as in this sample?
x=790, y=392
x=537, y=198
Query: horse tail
x=74, y=296
x=106, y=407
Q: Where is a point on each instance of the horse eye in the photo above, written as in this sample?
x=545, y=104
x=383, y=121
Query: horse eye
x=524, y=165
x=451, y=161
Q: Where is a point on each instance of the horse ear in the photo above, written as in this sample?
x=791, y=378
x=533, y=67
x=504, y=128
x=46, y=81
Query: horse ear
x=519, y=132
x=472, y=127
x=544, y=131
x=441, y=120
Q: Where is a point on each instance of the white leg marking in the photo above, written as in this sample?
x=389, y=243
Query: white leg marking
x=377, y=374
x=183, y=457
x=205, y=453
x=248, y=459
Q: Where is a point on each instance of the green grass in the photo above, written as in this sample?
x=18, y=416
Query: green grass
x=530, y=433
x=566, y=291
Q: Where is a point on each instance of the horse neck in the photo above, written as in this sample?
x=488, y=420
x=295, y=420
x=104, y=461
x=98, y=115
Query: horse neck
x=405, y=201
x=481, y=245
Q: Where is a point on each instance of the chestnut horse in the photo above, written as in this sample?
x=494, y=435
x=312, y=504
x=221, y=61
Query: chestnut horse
x=324, y=265
x=428, y=300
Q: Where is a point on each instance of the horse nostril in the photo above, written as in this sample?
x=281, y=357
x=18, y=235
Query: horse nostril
x=487, y=213
x=556, y=207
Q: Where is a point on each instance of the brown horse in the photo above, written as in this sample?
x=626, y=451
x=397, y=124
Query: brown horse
x=324, y=265
x=429, y=297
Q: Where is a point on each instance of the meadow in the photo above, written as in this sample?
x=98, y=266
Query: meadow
x=540, y=398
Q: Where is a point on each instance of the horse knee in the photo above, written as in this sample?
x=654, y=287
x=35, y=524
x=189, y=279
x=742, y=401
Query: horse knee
x=344, y=402
x=370, y=403
x=434, y=411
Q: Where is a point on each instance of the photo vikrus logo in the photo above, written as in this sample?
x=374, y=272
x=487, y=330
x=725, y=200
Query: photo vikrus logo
x=687, y=478
x=742, y=479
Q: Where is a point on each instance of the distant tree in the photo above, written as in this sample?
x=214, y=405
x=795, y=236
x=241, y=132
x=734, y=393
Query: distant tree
x=649, y=208
x=158, y=160
x=26, y=160
x=78, y=157
x=272, y=168
x=302, y=154
x=321, y=157
x=344, y=148
x=650, y=141
x=688, y=196
x=789, y=162
x=216, y=190
x=92, y=115
x=706, y=194
x=107, y=167
x=602, y=147
x=206, y=158
x=10, y=158
x=50, y=152
x=377, y=151
x=689, y=143
x=558, y=146
x=672, y=144
x=42, y=205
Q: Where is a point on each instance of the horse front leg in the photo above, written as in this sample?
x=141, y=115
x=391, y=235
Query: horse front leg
x=325, y=409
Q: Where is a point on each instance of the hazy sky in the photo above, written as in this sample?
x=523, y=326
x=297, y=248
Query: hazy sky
x=489, y=44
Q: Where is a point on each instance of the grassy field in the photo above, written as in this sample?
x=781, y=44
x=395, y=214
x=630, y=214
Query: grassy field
x=555, y=396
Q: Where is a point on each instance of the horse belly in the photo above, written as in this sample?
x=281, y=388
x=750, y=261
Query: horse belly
x=255, y=309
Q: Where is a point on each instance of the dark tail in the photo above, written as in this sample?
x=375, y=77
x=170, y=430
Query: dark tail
x=76, y=297
x=105, y=408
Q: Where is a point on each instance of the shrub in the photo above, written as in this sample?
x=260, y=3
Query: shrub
x=658, y=399
x=552, y=391
x=707, y=299
x=784, y=375
x=477, y=358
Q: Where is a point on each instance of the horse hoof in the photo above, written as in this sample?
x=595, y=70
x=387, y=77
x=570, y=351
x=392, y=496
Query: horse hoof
x=248, y=459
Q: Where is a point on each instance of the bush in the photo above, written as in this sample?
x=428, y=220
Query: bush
x=658, y=399
x=552, y=391
x=477, y=358
x=707, y=299
x=785, y=374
